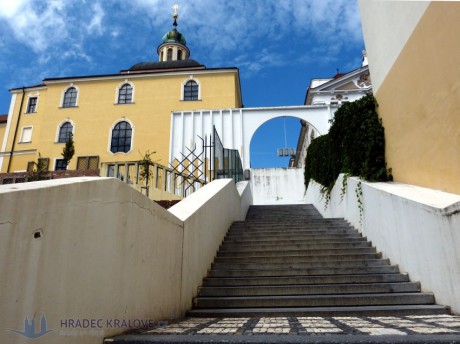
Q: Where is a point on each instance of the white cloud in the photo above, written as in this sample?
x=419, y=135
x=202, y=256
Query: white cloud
x=95, y=26
x=115, y=33
x=228, y=27
x=35, y=26
x=222, y=30
x=9, y=8
x=261, y=60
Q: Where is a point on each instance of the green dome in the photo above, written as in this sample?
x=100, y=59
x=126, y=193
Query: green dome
x=174, y=36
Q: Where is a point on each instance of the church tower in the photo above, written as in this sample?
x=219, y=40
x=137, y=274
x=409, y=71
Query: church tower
x=174, y=46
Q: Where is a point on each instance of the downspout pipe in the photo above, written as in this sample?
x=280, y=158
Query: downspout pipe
x=16, y=130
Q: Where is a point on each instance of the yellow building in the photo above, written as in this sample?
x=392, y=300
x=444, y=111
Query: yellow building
x=116, y=117
x=414, y=59
x=3, y=121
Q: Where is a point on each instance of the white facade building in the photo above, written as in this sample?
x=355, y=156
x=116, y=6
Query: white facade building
x=340, y=89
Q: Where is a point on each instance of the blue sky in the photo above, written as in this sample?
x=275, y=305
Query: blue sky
x=278, y=45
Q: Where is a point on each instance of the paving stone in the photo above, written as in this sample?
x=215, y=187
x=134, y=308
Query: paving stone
x=308, y=326
x=272, y=325
x=318, y=325
x=431, y=330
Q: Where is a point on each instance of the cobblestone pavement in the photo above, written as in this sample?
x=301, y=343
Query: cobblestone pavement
x=314, y=326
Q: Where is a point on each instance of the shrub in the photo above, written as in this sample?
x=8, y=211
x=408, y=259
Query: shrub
x=355, y=145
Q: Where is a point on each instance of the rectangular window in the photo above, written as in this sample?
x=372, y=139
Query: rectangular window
x=60, y=165
x=121, y=172
x=111, y=171
x=30, y=166
x=87, y=162
x=132, y=174
x=26, y=135
x=44, y=163
x=32, y=106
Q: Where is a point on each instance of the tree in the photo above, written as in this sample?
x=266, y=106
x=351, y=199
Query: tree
x=40, y=169
x=144, y=167
x=69, y=150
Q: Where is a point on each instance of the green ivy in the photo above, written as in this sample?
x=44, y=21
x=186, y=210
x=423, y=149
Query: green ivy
x=355, y=145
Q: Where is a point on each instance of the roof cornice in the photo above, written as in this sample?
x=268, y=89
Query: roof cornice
x=28, y=88
x=137, y=75
x=340, y=79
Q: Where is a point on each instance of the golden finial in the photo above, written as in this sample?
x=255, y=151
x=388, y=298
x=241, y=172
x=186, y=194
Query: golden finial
x=175, y=15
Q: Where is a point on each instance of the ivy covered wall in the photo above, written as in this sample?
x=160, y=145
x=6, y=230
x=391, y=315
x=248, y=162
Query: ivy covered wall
x=355, y=145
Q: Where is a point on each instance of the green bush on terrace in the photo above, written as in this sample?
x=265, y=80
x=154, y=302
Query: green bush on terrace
x=355, y=145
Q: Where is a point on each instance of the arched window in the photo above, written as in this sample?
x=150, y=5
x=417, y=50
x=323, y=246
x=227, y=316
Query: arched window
x=179, y=54
x=170, y=52
x=64, y=132
x=121, y=137
x=125, y=94
x=70, y=97
x=191, y=90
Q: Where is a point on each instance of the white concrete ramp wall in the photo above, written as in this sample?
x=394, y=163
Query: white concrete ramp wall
x=415, y=227
x=94, y=249
x=206, y=218
x=278, y=185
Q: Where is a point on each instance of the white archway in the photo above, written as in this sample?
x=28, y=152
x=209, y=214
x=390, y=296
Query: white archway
x=277, y=133
x=236, y=127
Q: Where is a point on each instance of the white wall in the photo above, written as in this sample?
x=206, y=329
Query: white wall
x=105, y=252
x=278, y=185
x=236, y=127
x=387, y=24
x=417, y=228
x=207, y=216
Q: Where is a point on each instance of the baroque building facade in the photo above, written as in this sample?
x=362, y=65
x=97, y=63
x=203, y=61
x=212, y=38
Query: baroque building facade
x=331, y=92
x=113, y=118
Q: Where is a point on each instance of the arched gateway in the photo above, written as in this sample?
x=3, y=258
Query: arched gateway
x=237, y=126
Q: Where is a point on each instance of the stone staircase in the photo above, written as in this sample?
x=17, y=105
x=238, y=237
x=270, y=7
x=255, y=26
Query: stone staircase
x=288, y=260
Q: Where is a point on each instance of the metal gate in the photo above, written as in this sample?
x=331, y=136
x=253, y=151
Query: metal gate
x=196, y=169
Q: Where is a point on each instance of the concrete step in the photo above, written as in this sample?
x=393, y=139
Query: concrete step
x=317, y=232
x=294, y=220
x=302, y=265
x=285, y=231
x=288, y=247
x=292, y=232
x=289, y=236
x=319, y=289
x=288, y=260
x=299, y=222
x=280, y=226
x=303, y=223
x=292, y=280
x=285, y=216
x=296, y=258
x=281, y=241
x=307, y=252
x=304, y=272
x=375, y=310
x=315, y=300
